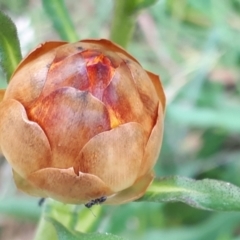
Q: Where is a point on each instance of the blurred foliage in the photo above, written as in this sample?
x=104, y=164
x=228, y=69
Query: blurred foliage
x=64, y=234
x=16, y=7
x=195, y=47
x=10, y=51
x=207, y=194
x=62, y=22
x=124, y=19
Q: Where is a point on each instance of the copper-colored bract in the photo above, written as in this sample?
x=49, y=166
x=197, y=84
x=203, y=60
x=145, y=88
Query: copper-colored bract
x=80, y=121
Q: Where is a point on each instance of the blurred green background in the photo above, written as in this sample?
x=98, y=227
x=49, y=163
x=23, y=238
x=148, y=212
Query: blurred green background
x=194, y=45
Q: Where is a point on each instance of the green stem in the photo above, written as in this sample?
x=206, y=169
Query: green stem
x=123, y=22
x=45, y=230
x=73, y=218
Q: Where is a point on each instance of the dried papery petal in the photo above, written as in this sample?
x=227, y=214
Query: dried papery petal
x=145, y=88
x=70, y=118
x=99, y=70
x=23, y=142
x=158, y=87
x=70, y=72
x=153, y=146
x=82, y=121
x=27, y=187
x=85, y=70
x=123, y=101
x=114, y=156
x=67, y=50
x=132, y=193
x=106, y=46
x=64, y=185
x=40, y=52
x=89, y=50
x=2, y=92
x=29, y=78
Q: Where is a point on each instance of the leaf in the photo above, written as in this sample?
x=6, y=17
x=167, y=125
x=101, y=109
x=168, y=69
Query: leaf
x=10, y=53
x=65, y=234
x=62, y=22
x=204, y=194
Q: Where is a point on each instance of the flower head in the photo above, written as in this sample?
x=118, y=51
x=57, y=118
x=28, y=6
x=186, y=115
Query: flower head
x=80, y=121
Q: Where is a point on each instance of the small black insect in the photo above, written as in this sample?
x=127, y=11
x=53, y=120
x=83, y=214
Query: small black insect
x=41, y=201
x=95, y=201
x=79, y=48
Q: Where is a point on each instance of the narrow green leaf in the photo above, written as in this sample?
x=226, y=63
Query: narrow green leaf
x=204, y=194
x=10, y=53
x=62, y=22
x=65, y=234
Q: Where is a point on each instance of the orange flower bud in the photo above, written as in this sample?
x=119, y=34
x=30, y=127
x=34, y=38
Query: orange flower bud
x=82, y=121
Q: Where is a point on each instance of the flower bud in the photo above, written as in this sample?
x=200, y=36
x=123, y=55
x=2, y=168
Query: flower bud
x=80, y=121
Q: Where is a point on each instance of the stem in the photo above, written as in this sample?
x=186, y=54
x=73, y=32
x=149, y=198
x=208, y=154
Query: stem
x=45, y=230
x=123, y=22
x=73, y=218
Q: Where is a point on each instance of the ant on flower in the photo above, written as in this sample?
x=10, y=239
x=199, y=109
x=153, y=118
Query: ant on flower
x=95, y=201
